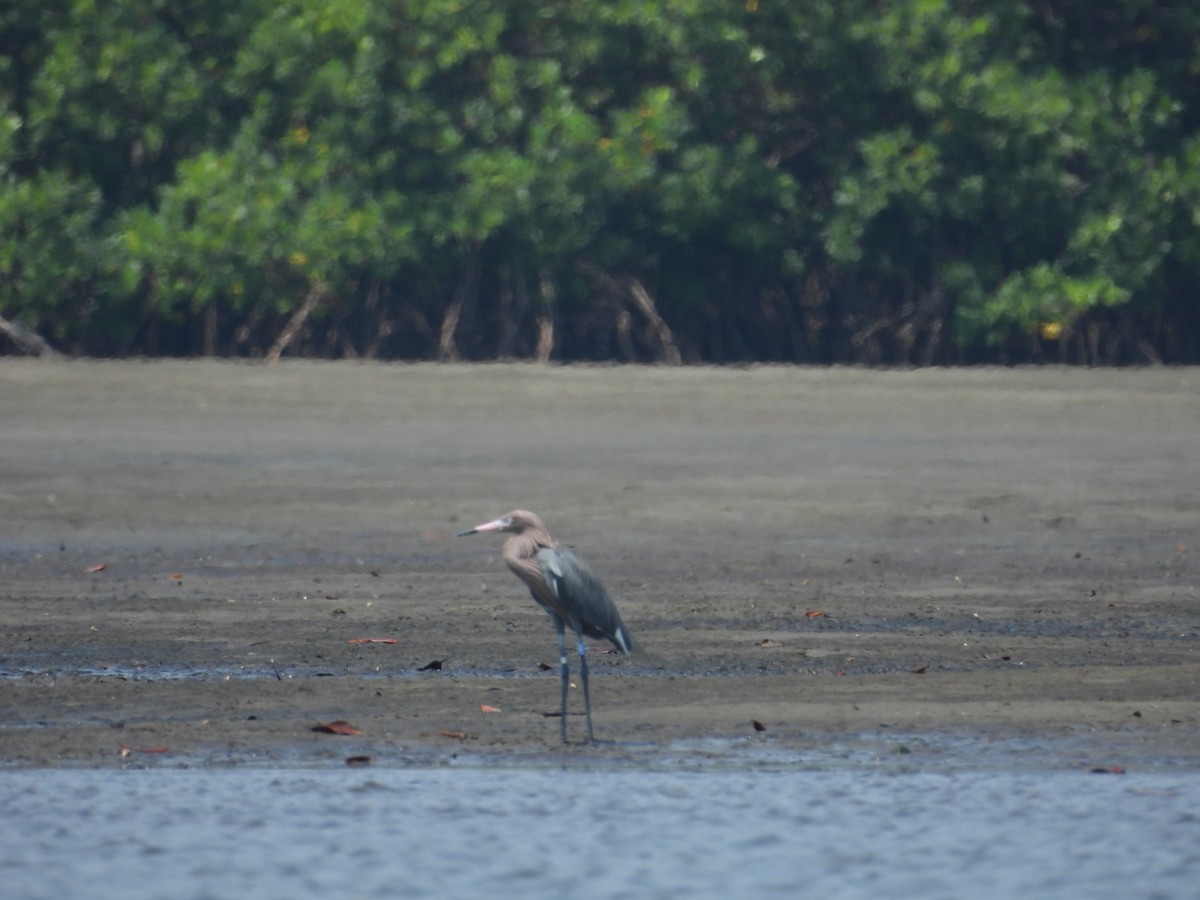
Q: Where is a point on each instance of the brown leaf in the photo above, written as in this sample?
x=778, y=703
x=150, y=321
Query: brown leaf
x=758, y=726
x=814, y=614
x=920, y=670
x=98, y=567
x=457, y=735
x=339, y=727
x=371, y=641
x=767, y=643
x=484, y=708
x=124, y=749
x=358, y=760
x=177, y=576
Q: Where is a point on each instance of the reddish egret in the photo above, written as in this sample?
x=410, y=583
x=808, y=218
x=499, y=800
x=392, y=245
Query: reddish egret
x=564, y=586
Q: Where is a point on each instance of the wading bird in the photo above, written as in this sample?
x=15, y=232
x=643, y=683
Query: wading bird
x=564, y=586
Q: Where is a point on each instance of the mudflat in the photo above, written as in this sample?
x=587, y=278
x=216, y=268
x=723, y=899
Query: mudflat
x=214, y=557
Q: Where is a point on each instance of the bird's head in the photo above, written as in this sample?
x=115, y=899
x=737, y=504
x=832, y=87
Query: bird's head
x=516, y=521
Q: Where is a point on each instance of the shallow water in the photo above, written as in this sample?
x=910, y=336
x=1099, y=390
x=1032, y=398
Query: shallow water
x=686, y=823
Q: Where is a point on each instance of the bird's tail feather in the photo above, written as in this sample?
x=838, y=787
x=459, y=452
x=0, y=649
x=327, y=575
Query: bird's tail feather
x=624, y=641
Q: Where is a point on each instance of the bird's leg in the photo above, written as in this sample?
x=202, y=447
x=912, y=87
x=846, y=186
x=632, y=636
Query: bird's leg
x=566, y=678
x=587, y=701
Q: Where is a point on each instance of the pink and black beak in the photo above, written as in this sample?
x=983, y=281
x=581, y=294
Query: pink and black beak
x=495, y=525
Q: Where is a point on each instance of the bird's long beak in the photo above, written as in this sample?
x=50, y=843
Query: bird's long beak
x=494, y=525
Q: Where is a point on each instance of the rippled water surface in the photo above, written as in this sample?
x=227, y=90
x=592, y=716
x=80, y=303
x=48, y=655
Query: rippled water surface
x=733, y=828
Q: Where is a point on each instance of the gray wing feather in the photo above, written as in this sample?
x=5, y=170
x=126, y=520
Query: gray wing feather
x=584, y=600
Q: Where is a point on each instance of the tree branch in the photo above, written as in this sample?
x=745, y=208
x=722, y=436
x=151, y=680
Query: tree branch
x=28, y=342
x=316, y=294
x=668, y=352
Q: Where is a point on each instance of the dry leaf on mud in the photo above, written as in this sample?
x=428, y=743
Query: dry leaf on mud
x=920, y=670
x=371, y=641
x=814, y=613
x=339, y=727
x=1107, y=770
x=767, y=643
x=484, y=708
x=125, y=750
x=457, y=735
x=98, y=567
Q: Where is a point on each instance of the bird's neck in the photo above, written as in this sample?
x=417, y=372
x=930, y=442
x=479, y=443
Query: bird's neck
x=526, y=544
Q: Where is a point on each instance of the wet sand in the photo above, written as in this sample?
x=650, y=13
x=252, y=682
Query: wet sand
x=830, y=553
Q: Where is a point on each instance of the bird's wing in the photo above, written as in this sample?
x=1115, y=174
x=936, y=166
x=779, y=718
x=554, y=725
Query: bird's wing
x=584, y=601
